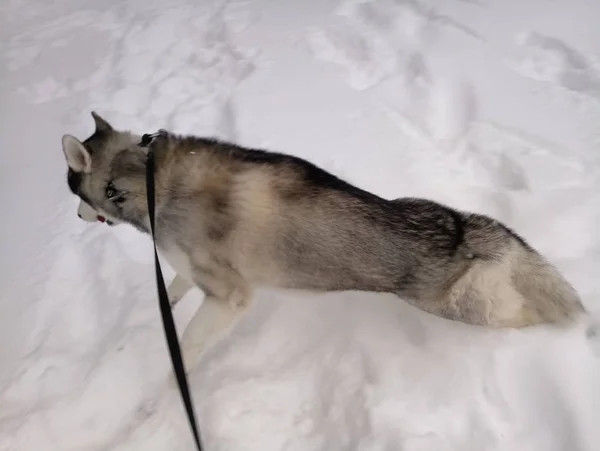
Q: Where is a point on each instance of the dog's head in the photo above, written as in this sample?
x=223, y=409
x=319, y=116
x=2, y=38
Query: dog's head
x=107, y=172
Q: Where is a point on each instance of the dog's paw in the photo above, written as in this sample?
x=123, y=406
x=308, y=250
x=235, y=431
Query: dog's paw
x=177, y=289
x=174, y=299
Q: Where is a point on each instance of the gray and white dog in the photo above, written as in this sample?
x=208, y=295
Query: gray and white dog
x=229, y=218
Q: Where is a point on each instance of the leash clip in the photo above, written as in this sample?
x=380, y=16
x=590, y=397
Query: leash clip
x=147, y=138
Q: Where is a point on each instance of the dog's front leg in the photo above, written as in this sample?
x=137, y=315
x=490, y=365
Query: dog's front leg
x=227, y=299
x=177, y=289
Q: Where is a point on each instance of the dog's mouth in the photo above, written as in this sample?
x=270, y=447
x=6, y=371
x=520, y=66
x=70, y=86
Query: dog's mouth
x=103, y=219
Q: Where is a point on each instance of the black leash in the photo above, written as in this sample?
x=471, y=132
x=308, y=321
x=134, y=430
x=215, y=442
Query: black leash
x=163, y=298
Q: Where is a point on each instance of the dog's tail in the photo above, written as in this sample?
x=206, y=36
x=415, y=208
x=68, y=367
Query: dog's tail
x=550, y=297
x=546, y=296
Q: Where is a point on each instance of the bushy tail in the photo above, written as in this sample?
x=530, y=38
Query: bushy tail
x=546, y=295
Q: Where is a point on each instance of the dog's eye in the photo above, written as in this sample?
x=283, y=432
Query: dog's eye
x=110, y=192
x=113, y=195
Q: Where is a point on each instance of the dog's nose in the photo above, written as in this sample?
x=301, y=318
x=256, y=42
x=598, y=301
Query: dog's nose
x=78, y=214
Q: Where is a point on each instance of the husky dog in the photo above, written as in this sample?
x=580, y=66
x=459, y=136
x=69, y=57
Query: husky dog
x=229, y=218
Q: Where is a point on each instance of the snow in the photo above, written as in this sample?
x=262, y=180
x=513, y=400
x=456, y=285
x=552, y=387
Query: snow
x=489, y=106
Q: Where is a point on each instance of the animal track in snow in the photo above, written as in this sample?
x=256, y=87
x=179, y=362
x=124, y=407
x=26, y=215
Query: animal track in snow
x=371, y=41
x=176, y=67
x=375, y=40
x=381, y=46
x=548, y=59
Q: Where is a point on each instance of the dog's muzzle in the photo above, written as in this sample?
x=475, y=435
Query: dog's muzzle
x=88, y=214
x=100, y=218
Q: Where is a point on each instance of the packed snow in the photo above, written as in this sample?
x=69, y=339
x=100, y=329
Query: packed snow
x=489, y=106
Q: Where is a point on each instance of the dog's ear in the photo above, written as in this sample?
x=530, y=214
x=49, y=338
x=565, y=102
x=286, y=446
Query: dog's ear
x=101, y=124
x=78, y=158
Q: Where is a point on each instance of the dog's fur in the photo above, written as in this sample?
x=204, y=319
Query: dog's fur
x=229, y=218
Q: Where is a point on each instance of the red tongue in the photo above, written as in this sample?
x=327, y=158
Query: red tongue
x=101, y=218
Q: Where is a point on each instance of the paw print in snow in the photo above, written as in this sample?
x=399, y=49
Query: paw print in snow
x=548, y=59
x=370, y=40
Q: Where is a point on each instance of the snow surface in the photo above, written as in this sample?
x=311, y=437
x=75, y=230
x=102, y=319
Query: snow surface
x=491, y=106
